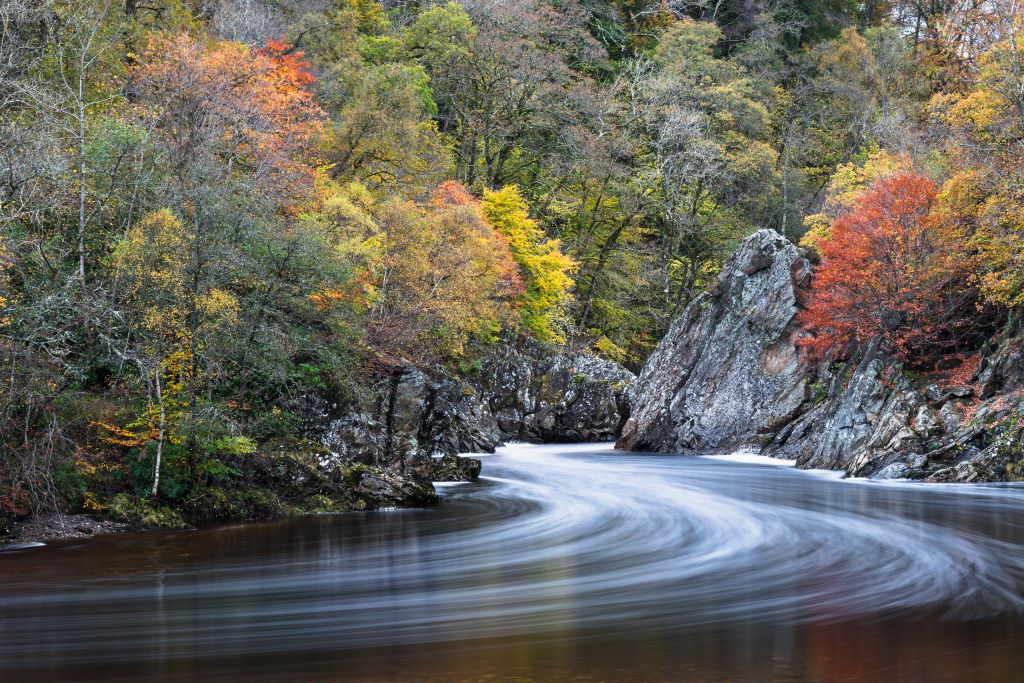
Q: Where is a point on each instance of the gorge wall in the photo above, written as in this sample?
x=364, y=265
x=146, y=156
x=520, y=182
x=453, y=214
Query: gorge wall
x=729, y=376
x=415, y=422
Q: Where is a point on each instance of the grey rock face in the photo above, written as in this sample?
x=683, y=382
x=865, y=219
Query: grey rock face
x=728, y=376
x=951, y=417
x=406, y=418
x=388, y=488
x=455, y=468
x=539, y=393
x=876, y=424
x=412, y=424
x=728, y=372
x=866, y=414
x=1002, y=369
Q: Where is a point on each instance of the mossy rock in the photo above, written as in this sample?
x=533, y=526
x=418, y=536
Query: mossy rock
x=137, y=512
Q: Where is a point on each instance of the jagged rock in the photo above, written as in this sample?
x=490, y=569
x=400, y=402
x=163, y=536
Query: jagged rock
x=727, y=376
x=455, y=468
x=728, y=371
x=405, y=418
x=859, y=423
x=951, y=417
x=1001, y=368
x=408, y=425
x=935, y=393
x=896, y=470
x=925, y=423
x=387, y=488
x=963, y=472
x=540, y=393
x=961, y=392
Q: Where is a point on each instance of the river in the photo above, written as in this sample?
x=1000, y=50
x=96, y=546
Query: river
x=564, y=563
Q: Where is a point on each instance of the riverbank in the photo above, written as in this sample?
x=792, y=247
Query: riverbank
x=56, y=526
x=275, y=485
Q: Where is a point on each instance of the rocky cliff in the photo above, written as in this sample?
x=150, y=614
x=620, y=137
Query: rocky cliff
x=407, y=420
x=728, y=376
x=415, y=423
x=539, y=393
x=877, y=420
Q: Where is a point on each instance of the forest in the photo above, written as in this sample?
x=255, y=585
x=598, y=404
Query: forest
x=211, y=209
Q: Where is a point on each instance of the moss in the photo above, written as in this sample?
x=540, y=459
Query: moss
x=318, y=503
x=1015, y=471
x=353, y=473
x=137, y=512
x=259, y=503
x=321, y=503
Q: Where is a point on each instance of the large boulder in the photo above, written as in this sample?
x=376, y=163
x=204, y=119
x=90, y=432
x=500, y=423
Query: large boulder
x=728, y=373
x=405, y=419
x=541, y=393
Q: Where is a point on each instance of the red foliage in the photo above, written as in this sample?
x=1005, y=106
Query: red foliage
x=254, y=107
x=891, y=270
x=291, y=63
x=451, y=193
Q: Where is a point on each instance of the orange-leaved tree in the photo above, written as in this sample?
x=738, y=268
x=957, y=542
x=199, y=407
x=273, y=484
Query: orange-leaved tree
x=893, y=271
x=222, y=106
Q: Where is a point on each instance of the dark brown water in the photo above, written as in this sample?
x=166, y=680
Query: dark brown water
x=566, y=563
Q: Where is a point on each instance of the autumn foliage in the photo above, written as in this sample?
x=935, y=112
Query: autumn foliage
x=253, y=106
x=894, y=270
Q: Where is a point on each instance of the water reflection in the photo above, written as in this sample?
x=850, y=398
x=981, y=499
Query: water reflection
x=565, y=563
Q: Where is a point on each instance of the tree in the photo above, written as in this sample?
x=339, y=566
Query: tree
x=708, y=140
x=152, y=266
x=505, y=78
x=984, y=125
x=58, y=86
x=892, y=271
x=547, y=272
x=846, y=189
x=440, y=275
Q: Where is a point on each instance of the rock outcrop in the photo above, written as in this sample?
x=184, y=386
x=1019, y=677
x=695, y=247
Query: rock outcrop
x=853, y=411
x=539, y=393
x=405, y=421
x=875, y=419
x=875, y=422
x=414, y=423
x=727, y=375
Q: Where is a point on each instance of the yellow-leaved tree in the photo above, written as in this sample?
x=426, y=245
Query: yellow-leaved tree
x=547, y=272
x=431, y=275
x=173, y=323
x=986, y=126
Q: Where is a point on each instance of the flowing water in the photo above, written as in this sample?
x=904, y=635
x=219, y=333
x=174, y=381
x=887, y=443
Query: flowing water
x=565, y=563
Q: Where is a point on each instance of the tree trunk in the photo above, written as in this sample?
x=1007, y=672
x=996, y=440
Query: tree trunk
x=81, y=181
x=163, y=424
